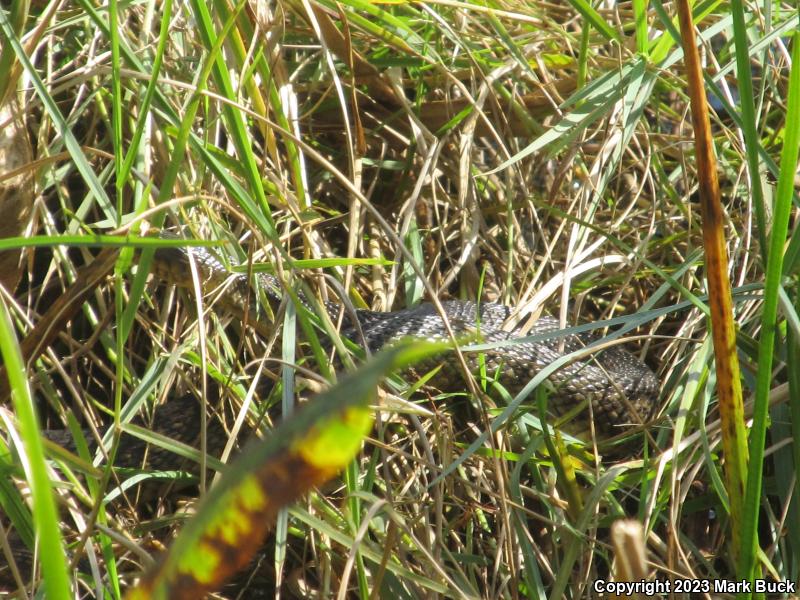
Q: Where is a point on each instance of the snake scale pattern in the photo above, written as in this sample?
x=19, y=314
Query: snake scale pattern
x=613, y=388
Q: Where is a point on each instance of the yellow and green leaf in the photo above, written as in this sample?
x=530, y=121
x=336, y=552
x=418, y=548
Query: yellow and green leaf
x=304, y=452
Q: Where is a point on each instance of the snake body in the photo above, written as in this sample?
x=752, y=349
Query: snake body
x=612, y=388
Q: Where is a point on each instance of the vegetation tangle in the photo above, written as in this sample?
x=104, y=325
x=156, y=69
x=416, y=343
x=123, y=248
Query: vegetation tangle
x=627, y=168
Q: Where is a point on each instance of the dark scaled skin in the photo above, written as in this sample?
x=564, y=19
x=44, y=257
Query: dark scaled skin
x=621, y=390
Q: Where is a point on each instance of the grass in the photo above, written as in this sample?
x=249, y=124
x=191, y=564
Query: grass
x=538, y=155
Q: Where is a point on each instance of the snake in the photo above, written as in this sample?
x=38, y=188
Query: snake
x=612, y=390
x=612, y=387
x=609, y=391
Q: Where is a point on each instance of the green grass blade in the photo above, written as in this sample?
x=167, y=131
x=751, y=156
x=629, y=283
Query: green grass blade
x=640, y=23
x=45, y=515
x=305, y=451
x=766, y=346
x=747, y=105
x=597, y=21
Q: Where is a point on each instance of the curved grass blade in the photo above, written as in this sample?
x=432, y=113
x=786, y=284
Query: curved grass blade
x=51, y=107
x=45, y=516
x=305, y=451
x=598, y=22
x=766, y=346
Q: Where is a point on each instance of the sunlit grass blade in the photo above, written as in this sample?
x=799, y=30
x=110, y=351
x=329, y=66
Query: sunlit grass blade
x=72, y=145
x=45, y=515
x=641, y=26
x=744, y=79
x=766, y=346
x=597, y=21
x=307, y=450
